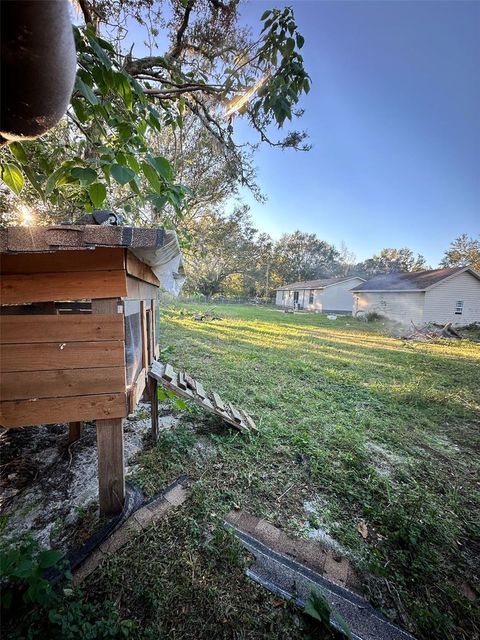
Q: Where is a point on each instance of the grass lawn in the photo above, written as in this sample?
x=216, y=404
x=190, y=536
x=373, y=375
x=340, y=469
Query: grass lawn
x=354, y=426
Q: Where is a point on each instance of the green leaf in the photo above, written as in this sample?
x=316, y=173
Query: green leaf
x=85, y=175
x=180, y=404
x=12, y=176
x=123, y=87
x=121, y=174
x=49, y=558
x=163, y=167
x=52, y=180
x=99, y=51
x=300, y=40
x=152, y=177
x=79, y=109
x=19, y=152
x=86, y=91
x=97, y=193
x=265, y=14
x=34, y=182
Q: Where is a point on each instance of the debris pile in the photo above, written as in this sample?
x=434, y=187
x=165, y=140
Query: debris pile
x=432, y=331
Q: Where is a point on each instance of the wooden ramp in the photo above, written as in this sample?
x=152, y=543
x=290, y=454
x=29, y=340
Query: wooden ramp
x=187, y=387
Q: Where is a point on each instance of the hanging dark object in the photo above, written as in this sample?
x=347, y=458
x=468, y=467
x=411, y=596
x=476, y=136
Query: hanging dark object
x=38, y=64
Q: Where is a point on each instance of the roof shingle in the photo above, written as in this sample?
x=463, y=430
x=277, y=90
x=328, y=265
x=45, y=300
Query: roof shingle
x=315, y=284
x=415, y=281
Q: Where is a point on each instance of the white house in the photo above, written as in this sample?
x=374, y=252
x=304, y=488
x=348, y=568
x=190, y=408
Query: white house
x=441, y=295
x=327, y=295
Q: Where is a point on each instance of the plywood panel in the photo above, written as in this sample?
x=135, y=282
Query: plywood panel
x=140, y=270
x=75, y=285
x=100, y=259
x=24, y=413
x=49, y=356
x=138, y=290
x=60, y=328
x=19, y=385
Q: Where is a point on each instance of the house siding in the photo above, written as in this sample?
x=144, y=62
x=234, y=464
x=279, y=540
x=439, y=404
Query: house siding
x=339, y=297
x=401, y=306
x=440, y=301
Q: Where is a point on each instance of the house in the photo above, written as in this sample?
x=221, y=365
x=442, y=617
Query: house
x=79, y=330
x=439, y=295
x=327, y=295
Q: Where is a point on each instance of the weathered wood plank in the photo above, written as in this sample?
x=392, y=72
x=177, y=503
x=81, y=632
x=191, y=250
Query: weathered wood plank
x=143, y=326
x=190, y=382
x=49, y=356
x=249, y=420
x=235, y=413
x=74, y=431
x=137, y=390
x=181, y=380
x=140, y=290
x=75, y=285
x=60, y=328
x=140, y=270
x=100, y=259
x=20, y=385
x=157, y=371
x=200, y=390
x=169, y=373
x=111, y=470
x=24, y=413
x=153, y=392
x=218, y=402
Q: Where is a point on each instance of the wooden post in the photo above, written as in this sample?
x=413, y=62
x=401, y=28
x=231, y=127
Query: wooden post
x=74, y=431
x=153, y=386
x=111, y=471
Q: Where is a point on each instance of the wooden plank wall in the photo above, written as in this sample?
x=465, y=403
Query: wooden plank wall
x=61, y=368
x=63, y=275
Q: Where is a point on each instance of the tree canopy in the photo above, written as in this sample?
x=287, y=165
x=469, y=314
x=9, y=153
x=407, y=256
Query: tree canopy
x=141, y=121
x=463, y=251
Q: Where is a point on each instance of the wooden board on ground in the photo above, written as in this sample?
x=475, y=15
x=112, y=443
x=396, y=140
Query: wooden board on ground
x=193, y=390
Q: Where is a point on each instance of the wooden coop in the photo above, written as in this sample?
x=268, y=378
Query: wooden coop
x=79, y=330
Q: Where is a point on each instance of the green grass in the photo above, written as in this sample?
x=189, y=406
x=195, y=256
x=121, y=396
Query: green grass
x=362, y=425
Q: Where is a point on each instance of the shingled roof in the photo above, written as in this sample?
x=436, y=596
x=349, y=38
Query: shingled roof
x=158, y=248
x=415, y=281
x=74, y=236
x=315, y=284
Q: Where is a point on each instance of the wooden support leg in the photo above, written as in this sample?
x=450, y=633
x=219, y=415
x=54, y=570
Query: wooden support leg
x=111, y=470
x=152, y=386
x=74, y=431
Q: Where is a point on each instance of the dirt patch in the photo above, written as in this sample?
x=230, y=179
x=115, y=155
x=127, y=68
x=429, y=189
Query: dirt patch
x=50, y=488
x=383, y=461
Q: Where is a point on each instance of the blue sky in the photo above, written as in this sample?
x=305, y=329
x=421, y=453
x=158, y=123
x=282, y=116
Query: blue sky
x=393, y=116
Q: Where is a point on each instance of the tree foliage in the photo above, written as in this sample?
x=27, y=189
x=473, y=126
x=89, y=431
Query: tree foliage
x=463, y=251
x=391, y=261
x=114, y=146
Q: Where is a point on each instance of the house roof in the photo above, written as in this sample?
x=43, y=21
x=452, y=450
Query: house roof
x=158, y=248
x=317, y=284
x=414, y=281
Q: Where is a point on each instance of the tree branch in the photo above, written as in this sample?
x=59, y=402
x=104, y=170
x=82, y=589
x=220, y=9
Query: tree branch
x=177, y=49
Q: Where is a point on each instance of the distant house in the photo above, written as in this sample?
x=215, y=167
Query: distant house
x=327, y=295
x=441, y=295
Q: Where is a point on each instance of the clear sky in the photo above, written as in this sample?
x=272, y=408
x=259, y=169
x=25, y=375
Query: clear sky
x=393, y=116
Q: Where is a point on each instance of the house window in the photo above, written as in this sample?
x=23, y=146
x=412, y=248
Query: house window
x=310, y=297
x=459, y=308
